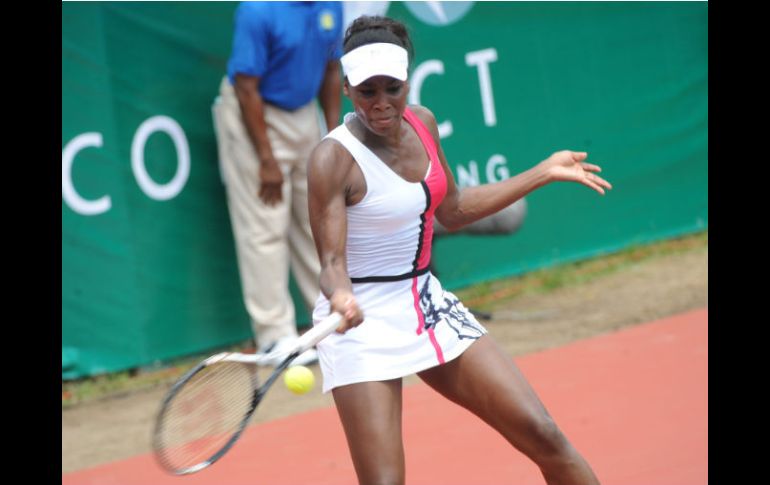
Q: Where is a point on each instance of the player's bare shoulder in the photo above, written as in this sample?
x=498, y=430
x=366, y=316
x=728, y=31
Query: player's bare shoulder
x=427, y=117
x=332, y=169
x=330, y=154
x=329, y=151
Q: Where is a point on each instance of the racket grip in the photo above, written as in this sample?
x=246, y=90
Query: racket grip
x=318, y=332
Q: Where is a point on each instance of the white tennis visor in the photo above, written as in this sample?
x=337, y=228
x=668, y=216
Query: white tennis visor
x=380, y=59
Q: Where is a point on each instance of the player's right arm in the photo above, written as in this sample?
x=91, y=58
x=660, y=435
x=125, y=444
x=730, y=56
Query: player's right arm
x=331, y=183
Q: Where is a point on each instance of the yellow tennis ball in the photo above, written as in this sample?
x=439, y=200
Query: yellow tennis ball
x=299, y=379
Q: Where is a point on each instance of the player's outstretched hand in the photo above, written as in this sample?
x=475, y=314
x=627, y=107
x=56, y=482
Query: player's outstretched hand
x=569, y=166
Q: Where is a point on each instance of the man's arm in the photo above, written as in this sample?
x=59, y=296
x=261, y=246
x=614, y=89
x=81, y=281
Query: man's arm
x=330, y=94
x=253, y=111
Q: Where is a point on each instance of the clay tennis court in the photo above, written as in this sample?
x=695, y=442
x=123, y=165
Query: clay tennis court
x=634, y=402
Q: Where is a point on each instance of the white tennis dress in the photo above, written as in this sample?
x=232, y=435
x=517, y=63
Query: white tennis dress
x=410, y=322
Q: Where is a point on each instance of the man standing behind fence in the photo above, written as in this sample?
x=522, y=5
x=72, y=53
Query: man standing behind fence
x=284, y=56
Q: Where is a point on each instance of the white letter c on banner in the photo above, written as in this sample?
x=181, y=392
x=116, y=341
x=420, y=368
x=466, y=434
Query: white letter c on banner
x=68, y=192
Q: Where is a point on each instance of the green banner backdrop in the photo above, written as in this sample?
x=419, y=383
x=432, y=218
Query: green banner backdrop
x=148, y=262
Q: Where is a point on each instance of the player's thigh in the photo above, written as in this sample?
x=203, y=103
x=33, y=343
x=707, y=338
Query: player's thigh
x=371, y=417
x=486, y=381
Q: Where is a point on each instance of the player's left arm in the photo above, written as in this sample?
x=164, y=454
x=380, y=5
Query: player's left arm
x=462, y=207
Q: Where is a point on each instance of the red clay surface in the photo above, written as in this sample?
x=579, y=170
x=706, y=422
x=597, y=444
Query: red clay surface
x=635, y=403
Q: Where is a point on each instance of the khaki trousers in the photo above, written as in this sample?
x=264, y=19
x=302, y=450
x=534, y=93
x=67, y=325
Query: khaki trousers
x=269, y=239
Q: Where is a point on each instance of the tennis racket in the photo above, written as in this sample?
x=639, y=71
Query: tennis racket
x=207, y=409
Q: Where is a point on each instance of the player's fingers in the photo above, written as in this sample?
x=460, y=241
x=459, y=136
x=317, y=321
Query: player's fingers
x=353, y=313
x=356, y=318
x=594, y=186
x=347, y=323
x=600, y=181
x=591, y=167
x=596, y=180
x=579, y=156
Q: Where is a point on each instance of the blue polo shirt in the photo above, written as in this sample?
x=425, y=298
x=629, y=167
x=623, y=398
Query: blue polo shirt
x=287, y=45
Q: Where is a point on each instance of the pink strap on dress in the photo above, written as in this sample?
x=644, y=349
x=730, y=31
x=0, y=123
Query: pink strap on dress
x=424, y=133
x=435, y=186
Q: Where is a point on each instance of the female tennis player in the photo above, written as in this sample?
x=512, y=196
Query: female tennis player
x=375, y=184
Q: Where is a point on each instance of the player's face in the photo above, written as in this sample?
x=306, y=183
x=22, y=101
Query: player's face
x=379, y=103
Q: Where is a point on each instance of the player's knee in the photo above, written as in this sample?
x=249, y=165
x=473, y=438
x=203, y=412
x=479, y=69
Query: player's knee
x=382, y=470
x=548, y=440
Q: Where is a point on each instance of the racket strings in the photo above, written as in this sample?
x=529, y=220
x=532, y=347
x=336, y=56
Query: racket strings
x=205, y=414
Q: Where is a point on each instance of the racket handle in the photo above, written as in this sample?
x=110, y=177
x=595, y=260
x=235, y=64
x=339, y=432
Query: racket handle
x=318, y=332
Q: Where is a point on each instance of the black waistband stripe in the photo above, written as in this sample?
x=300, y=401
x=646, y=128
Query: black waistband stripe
x=383, y=279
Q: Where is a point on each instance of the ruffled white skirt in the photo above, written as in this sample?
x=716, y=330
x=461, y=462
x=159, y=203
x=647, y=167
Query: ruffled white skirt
x=409, y=326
